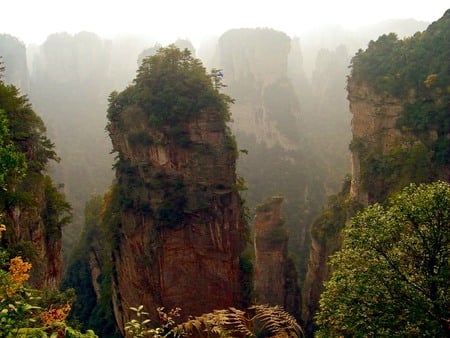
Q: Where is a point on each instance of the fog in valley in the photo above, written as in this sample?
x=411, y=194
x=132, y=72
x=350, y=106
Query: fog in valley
x=285, y=64
x=68, y=57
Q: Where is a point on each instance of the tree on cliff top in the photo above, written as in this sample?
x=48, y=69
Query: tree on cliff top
x=392, y=277
x=415, y=71
x=171, y=86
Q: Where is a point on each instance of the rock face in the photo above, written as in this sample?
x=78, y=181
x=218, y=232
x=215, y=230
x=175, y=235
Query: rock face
x=193, y=264
x=262, y=69
x=275, y=277
x=32, y=239
x=400, y=136
x=255, y=66
x=374, y=121
x=181, y=229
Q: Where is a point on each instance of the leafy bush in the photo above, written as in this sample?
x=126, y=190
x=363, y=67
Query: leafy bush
x=391, y=278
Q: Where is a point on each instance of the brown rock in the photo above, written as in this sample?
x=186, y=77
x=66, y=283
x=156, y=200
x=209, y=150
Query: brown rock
x=179, y=244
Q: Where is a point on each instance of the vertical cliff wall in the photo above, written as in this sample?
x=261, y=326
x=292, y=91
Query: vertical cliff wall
x=373, y=127
x=267, y=121
x=400, y=110
x=399, y=99
x=275, y=277
x=180, y=229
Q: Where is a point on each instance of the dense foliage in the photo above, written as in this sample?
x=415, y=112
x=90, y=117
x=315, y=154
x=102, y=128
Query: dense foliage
x=27, y=312
x=391, y=278
x=28, y=196
x=12, y=162
x=92, y=307
x=171, y=86
x=416, y=71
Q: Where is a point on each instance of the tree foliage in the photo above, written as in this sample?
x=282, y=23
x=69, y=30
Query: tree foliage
x=171, y=86
x=12, y=162
x=27, y=312
x=89, y=310
x=415, y=70
x=392, y=276
x=29, y=201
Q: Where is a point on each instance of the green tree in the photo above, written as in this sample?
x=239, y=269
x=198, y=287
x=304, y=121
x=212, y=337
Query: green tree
x=392, y=276
x=12, y=163
x=171, y=86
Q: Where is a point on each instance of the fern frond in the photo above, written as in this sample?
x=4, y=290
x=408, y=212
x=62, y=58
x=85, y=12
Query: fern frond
x=277, y=321
x=236, y=323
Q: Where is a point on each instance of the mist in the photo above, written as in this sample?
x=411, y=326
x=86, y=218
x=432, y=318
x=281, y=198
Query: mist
x=284, y=64
x=167, y=21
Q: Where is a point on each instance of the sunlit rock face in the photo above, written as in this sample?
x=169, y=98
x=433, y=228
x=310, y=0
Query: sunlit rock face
x=181, y=229
x=275, y=277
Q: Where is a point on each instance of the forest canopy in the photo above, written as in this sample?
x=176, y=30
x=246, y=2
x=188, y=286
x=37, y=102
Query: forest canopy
x=391, y=277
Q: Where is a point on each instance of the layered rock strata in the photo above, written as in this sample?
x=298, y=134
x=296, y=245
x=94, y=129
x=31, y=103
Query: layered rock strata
x=181, y=228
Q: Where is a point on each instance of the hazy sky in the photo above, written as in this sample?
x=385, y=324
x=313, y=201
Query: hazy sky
x=166, y=20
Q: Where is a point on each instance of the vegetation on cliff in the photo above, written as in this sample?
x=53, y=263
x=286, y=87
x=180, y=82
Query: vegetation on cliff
x=416, y=71
x=28, y=312
x=171, y=87
x=24, y=152
x=89, y=269
x=392, y=276
x=32, y=208
x=411, y=74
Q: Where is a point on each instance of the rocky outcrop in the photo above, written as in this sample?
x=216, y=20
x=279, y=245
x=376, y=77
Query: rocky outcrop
x=399, y=136
x=180, y=231
x=262, y=70
x=374, y=121
x=275, y=277
x=255, y=66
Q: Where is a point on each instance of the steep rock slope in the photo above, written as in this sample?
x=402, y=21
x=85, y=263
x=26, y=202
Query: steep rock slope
x=267, y=122
x=399, y=97
x=180, y=229
x=400, y=112
x=275, y=274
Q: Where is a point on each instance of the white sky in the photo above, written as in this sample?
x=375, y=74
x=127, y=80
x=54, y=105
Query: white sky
x=166, y=20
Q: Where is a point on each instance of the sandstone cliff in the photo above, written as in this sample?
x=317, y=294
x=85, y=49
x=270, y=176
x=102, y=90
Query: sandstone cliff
x=400, y=135
x=262, y=68
x=275, y=277
x=374, y=121
x=181, y=229
x=31, y=236
x=255, y=64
